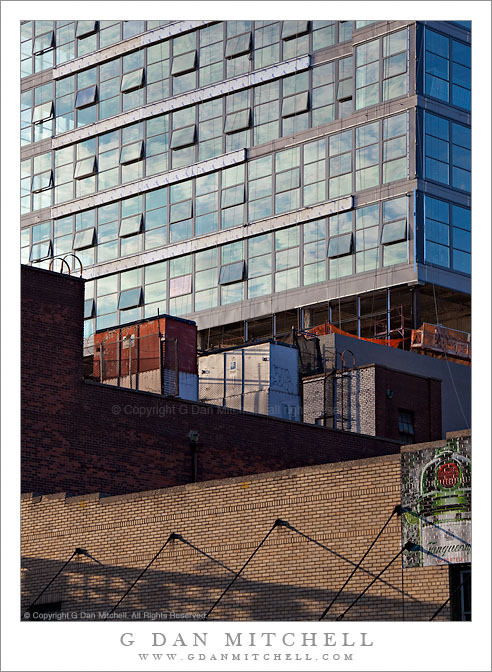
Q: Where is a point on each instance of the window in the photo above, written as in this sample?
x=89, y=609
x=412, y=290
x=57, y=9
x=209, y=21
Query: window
x=85, y=28
x=367, y=156
x=291, y=29
x=340, y=150
x=86, y=97
x=395, y=148
x=393, y=236
x=184, y=63
x=295, y=104
x=85, y=168
x=232, y=196
x=395, y=65
x=43, y=42
x=406, y=427
x=42, y=181
x=41, y=251
x=180, y=286
x=447, y=69
x=237, y=121
x=132, y=80
x=232, y=273
x=42, y=112
x=84, y=239
x=340, y=246
x=183, y=137
x=131, y=153
x=394, y=232
x=88, y=308
x=130, y=298
x=130, y=226
x=237, y=46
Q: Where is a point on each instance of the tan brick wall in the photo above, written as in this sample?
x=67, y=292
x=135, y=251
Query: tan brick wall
x=341, y=505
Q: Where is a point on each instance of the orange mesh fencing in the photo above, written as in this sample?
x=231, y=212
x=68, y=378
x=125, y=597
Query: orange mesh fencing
x=327, y=328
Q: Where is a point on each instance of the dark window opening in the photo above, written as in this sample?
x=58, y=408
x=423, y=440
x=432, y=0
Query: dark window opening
x=406, y=428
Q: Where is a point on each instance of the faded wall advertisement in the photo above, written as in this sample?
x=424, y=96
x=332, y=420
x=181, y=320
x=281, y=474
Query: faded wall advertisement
x=436, y=503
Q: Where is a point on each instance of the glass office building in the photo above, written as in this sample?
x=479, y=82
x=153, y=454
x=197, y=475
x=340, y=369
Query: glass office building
x=253, y=176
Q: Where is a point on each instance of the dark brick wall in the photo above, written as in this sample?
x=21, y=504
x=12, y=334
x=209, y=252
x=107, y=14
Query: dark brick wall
x=81, y=437
x=421, y=396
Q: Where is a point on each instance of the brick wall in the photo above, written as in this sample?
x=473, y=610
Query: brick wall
x=420, y=395
x=356, y=404
x=373, y=395
x=84, y=437
x=343, y=506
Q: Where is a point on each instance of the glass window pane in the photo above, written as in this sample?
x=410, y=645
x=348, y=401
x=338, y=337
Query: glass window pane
x=395, y=254
x=395, y=170
x=395, y=42
x=367, y=53
x=259, y=286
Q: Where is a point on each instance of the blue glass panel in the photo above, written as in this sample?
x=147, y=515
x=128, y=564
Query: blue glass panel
x=435, y=170
x=462, y=240
x=437, y=88
x=461, y=53
x=438, y=210
x=437, y=149
x=436, y=43
x=462, y=262
x=461, y=157
x=461, y=97
x=436, y=126
x=461, y=217
x=461, y=75
x=461, y=179
x=436, y=65
x=437, y=232
x=437, y=254
x=461, y=136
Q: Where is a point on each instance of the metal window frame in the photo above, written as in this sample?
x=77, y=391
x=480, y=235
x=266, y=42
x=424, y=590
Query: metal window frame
x=335, y=240
x=51, y=43
x=139, y=81
x=49, y=251
x=398, y=237
x=92, y=102
x=238, y=45
x=300, y=103
x=237, y=121
x=80, y=172
x=44, y=186
x=177, y=144
x=227, y=269
x=135, y=154
x=88, y=308
x=84, y=239
x=133, y=224
x=38, y=114
x=85, y=31
x=291, y=29
x=183, y=58
x=134, y=303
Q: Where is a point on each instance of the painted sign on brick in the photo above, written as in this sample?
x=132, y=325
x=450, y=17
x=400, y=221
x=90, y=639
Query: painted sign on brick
x=436, y=503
